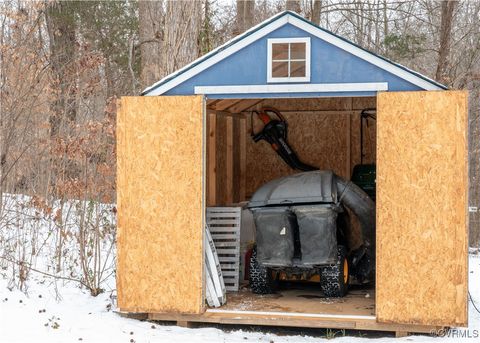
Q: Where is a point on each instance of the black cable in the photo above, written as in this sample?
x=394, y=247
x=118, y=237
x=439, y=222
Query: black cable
x=471, y=299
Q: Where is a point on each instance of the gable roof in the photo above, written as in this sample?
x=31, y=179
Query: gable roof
x=273, y=23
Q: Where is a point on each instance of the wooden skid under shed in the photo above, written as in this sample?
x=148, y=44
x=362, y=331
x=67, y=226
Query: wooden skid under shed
x=224, y=226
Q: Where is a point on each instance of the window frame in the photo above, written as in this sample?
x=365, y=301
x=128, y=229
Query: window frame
x=270, y=43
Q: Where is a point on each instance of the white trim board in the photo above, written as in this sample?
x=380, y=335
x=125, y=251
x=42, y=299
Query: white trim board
x=255, y=34
x=294, y=88
x=292, y=314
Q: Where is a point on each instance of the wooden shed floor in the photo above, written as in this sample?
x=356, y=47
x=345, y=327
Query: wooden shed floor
x=299, y=305
x=304, y=298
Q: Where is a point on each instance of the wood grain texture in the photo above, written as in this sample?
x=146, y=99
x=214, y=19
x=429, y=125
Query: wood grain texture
x=297, y=308
x=317, y=131
x=160, y=206
x=211, y=178
x=421, y=208
x=317, y=138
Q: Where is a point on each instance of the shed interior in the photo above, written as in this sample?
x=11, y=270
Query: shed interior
x=325, y=133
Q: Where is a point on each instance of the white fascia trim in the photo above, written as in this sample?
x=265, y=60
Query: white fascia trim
x=367, y=56
x=306, y=78
x=302, y=88
x=292, y=314
x=250, y=38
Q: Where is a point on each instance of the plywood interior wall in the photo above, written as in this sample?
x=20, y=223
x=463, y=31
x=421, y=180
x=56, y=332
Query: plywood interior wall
x=324, y=132
x=421, y=208
x=160, y=206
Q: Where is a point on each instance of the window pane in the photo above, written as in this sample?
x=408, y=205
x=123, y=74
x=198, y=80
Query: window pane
x=297, y=69
x=297, y=51
x=280, y=51
x=279, y=69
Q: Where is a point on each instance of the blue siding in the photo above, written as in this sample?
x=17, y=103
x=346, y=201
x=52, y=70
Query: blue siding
x=329, y=64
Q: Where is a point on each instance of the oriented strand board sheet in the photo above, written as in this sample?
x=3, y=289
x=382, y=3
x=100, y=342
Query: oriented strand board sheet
x=422, y=208
x=160, y=204
x=317, y=131
x=324, y=132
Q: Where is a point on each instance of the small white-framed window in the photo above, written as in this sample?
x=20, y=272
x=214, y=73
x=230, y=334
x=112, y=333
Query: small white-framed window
x=288, y=60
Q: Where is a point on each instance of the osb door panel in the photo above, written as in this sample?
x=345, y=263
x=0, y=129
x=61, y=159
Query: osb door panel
x=160, y=207
x=421, y=208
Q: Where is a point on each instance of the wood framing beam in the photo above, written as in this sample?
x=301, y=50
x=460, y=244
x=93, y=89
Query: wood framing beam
x=243, y=158
x=223, y=105
x=211, y=160
x=229, y=114
x=348, y=156
x=211, y=104
x=229, y=161
x=244, y=105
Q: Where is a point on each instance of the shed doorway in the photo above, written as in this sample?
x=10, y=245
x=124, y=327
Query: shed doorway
x=328, y=133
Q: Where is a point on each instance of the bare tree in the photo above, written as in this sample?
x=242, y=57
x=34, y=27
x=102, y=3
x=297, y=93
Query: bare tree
x=316, y=11
x=61, y=30
x=447, y=15
x=151, y=22
x=181, y=34
x=293, y=5
x=245, y=15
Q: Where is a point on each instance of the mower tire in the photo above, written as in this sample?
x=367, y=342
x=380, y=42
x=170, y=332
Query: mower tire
x=261, y=281
x=334, y=278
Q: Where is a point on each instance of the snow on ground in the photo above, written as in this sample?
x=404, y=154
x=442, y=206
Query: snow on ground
x=77, y=316
x=50, y=310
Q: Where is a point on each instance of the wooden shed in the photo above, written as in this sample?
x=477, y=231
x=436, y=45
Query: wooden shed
x=185, y=145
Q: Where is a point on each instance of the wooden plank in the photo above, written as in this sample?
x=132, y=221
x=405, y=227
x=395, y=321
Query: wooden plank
x=224, y=228
x=296, y=308
x=422, y=208
x=222, y=105
x=243, y=160
x=229, y=266
x=400, y=334
x=211, y=104
x=226, y=114
x=228, y=223
x=223, y=236
x=368, y=325
x=229, y=161
x=226, y=244
x=244, y=105
x=211, y=160
x=348, y=145
x=160, y=204
x=224, y=210
x=317, y=138
x=226, y=237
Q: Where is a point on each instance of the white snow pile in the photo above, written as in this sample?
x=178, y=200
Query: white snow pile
x=52, y=259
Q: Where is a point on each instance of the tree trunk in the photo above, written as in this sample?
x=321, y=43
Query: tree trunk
x=245, y=15
x=205, y=44
x=60, y=19
x=443, y=66
x=316, y=11
x=151, y=21
x=293, y=5
x=182, y=34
